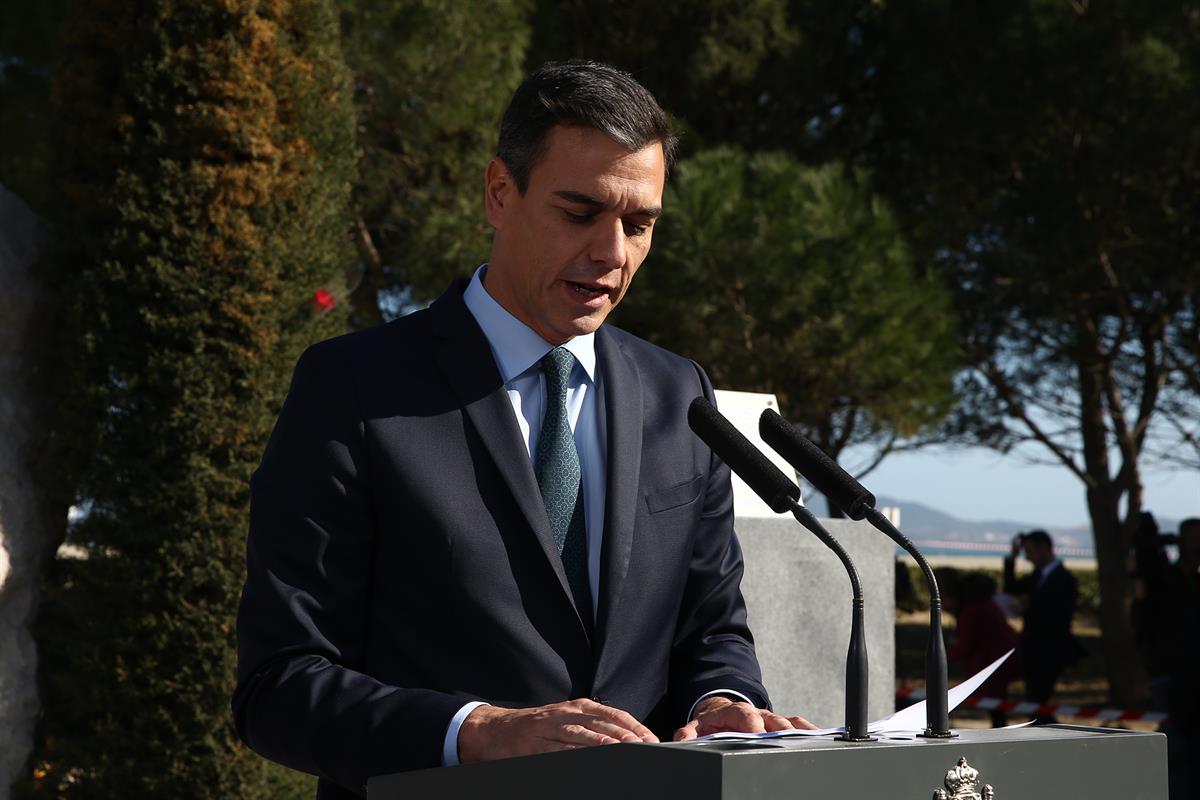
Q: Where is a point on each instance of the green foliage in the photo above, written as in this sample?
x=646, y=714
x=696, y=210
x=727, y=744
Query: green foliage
x=1046, y=156
x=432, y=79
x=206, y=154
x=1088, y=600
x=1087, y=603
x=706, y=62
x=795, y=280
x=1027, y=148
x=758, y=75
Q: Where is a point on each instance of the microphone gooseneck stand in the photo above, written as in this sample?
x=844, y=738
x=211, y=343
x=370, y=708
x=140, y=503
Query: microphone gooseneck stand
x=856, y=655
x=937, y=712
x=856, y=502
x=781, y=494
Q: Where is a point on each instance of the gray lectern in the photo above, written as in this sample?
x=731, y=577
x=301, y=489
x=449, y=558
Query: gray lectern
x=1052, y=762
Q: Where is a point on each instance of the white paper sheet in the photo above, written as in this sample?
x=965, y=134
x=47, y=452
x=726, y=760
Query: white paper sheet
x=913, y=717
x=903, y=724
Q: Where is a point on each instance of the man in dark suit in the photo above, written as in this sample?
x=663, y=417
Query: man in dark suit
x=485, y=529
x=1047, y=644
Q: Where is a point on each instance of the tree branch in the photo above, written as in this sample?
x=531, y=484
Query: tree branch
x=1017, y=409
x=883, y=452
x=365, y=296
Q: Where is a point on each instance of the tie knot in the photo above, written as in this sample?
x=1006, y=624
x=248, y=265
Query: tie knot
x=557, y=365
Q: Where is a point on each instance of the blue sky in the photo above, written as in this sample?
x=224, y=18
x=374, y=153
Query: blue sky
x=980, y=484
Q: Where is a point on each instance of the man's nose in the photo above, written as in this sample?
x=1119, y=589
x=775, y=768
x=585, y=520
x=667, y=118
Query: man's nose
x=608, y=244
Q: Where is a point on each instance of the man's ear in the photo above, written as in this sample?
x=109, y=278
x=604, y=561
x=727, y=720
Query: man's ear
x=499, y=192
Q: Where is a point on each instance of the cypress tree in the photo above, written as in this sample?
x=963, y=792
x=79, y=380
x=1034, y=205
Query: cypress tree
x=205, y=165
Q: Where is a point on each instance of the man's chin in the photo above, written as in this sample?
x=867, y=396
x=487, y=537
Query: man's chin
x=581, y=325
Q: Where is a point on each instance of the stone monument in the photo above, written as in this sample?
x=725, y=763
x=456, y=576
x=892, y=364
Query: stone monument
x=798, y=596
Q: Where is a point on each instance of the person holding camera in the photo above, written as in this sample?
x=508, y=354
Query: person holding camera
x=1047, y=645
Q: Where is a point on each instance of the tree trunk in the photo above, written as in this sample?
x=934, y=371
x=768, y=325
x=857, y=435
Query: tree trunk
x=1122, y=665
x=364, y=294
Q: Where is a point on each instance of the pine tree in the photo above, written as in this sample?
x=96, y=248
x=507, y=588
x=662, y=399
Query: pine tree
x=206, y=161
x=794, y=280
x=432, y=78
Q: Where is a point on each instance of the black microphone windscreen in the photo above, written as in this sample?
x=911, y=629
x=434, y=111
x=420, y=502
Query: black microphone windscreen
x=775, y=488
x=819, y=469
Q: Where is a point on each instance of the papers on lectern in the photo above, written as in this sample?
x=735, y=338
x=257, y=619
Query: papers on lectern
x=903, y=724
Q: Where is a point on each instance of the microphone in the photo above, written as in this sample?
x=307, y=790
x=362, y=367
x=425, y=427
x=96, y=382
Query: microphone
x=818, y=469
x=776, y=489
x=857, y=503
x=781, y=494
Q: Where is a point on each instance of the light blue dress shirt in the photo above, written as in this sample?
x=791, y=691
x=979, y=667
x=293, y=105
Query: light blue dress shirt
x=517, y=350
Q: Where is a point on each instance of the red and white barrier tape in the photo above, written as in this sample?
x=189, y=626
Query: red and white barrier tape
x=1033, y=709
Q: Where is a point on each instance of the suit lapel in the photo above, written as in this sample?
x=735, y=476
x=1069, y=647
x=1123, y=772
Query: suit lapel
x=466, y=361
x=622, y=386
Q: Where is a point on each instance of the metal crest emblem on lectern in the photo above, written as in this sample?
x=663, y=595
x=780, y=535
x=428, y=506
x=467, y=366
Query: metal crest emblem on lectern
x=961, y=783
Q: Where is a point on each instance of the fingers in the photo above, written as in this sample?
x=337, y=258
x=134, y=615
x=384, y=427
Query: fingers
x=718, y=714
x=489, y=732
x=622, y=719
x=774, y=722
x=614, y=732
x=686, y=732
x=801, y=724
x=742, y=718
x=581, y=734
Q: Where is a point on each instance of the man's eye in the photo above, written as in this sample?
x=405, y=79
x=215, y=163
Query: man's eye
x=633, y=229
x=577, y=218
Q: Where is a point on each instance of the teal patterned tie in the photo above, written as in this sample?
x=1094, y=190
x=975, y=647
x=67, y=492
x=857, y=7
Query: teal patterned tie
x=559, y=479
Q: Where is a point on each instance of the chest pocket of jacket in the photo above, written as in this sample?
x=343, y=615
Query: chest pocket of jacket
x=676, y=496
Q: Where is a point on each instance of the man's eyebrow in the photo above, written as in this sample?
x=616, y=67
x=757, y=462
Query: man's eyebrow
x=653, y=212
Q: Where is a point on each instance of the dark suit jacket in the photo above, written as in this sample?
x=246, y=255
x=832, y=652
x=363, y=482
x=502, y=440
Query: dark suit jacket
x=1047, y=644
x=400, y=561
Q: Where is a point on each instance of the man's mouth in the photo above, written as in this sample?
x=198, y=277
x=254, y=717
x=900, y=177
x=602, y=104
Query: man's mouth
x=587, y=291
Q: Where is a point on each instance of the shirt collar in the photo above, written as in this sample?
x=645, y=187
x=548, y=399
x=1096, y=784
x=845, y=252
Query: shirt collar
x=1046, y=570
x=515, y=346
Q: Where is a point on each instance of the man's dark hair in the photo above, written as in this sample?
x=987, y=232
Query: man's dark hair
x=1040, y=537
x=579, y=94
x=1188, y=524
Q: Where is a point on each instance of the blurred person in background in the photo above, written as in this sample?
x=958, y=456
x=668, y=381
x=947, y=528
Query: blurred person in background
x=1166, y=618
x=983, y=633
x=1047, y=645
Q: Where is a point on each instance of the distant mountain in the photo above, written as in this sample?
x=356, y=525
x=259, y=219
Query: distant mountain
x=922, y=523
x=919, y=521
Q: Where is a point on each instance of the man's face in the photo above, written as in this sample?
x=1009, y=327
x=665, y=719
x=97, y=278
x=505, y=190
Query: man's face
x=566, y=251
x=1039, y=554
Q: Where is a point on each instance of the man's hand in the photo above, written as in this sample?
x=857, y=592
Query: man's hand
x=490, y=732
x=1017, y=542
x=716, y=714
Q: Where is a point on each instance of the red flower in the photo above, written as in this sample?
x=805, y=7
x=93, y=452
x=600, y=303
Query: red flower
x=323, y=300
